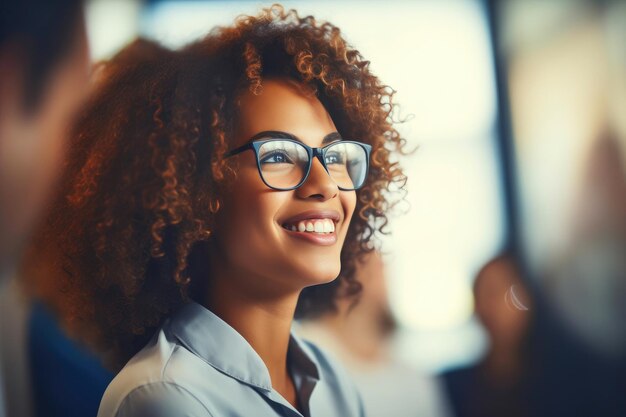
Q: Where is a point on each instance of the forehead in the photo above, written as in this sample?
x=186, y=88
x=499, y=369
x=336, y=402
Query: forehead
x=283, y=106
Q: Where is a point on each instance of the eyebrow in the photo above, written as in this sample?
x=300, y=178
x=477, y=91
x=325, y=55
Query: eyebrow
x=331, y=137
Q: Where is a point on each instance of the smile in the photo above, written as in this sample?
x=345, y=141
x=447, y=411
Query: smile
x=318, y=226
x=316, y=231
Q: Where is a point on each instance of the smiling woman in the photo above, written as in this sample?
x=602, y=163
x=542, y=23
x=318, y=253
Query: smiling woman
x=212, y=194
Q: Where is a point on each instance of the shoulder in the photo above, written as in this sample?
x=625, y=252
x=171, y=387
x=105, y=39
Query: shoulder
x=145, y=386
x=161, y=399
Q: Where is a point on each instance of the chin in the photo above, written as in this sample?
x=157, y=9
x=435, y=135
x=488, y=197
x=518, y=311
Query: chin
x=321, y=273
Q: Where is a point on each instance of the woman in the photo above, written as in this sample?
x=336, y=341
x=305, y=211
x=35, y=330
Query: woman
x=212, y=194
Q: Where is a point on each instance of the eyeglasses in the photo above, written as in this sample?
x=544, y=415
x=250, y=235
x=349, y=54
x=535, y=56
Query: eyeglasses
x=285, y=164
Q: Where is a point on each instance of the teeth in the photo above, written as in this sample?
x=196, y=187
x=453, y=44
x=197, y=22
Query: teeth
x=313, y=225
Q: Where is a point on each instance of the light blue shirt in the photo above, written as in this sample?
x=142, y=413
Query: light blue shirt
x=198, y=365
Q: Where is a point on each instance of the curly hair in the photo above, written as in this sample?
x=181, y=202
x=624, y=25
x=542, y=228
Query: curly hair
x=127, y=235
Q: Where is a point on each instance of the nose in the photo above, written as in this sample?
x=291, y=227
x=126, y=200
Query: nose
x=318, y=185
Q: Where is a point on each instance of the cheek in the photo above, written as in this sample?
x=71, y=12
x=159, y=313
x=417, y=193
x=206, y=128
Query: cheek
x=247, y=223
x=348, y=202
x=255, y=244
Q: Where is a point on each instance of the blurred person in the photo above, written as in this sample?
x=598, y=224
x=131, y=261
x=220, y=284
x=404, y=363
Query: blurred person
x=590, y=270
x=500, y=384
x=361, y=337
x=213, y=193
x=537, y=364
x=586, y=285
x=565, y=66
x=43, y=74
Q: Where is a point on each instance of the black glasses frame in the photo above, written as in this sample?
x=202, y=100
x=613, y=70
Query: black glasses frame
x=319, y=153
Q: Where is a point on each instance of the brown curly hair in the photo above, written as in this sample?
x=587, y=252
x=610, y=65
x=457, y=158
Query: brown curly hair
x=127, y=235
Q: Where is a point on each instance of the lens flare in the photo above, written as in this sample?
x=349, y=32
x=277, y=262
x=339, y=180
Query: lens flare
x=512, y=299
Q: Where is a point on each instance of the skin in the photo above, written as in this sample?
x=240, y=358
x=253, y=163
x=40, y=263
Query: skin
x=32, y=142
x=258, y=270
x=506, y=325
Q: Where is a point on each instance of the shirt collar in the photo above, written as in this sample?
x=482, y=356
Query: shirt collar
x=221, y=346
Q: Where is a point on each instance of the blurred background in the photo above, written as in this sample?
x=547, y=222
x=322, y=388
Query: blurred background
x=517, y=109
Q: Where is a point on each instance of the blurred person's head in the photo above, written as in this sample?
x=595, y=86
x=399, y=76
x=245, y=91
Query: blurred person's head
x=43, y=75
x=156, y=202
x=502, y=301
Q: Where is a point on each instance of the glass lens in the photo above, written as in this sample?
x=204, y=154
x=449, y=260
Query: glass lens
x=283, y=163
x=347, y=164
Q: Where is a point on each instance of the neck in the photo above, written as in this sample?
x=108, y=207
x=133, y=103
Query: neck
x=264, y=319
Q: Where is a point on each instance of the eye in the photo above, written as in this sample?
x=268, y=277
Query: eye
x=275, y=157
x=334, y=158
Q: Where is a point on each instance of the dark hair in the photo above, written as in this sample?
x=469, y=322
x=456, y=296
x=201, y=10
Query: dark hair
x=146, y=170
x=41, y=32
